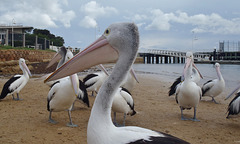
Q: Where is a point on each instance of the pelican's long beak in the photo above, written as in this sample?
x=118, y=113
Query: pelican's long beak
x=55, y=58
x=134, y=74
x=99, y=52
x=187, y=64
x=26, y=68
x=103, y=69
x=197, y=70
x=234, y=91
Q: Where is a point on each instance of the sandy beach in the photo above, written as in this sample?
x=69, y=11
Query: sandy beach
x=26, y=121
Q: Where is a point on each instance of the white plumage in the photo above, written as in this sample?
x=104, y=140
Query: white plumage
x=234, y=105
x=130, y=80
x=188, y=94
x=17, y=82
x=213, y=88
x=94, y=81
x=63, y=93
x=123, y=103
x=119, y=42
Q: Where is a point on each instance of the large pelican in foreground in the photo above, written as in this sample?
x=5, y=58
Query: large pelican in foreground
x=119, y=42
x=213, y=88
x=63, y=93
x=234, y=105
x=17, y=82
x=188, y=94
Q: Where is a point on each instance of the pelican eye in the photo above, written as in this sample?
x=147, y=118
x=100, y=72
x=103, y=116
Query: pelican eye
x=107, y=32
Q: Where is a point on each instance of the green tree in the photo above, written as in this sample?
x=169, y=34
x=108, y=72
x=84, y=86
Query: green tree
x=43, y=33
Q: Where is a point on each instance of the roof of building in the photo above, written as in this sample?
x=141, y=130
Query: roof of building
x=15, y=27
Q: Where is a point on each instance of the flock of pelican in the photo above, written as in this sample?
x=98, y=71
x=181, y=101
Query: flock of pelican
x=119, y=43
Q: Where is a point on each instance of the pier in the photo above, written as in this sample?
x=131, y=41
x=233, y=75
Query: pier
x=154, y=56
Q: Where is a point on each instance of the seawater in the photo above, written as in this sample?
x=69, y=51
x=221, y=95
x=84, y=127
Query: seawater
x=169, y=72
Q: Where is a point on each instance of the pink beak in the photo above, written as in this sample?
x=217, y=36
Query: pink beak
x=99, y=52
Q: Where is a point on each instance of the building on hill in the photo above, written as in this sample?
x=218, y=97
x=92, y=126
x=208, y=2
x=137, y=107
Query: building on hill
x=11, y=34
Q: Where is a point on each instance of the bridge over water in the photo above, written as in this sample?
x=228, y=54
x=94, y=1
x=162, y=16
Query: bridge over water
x=166, y=56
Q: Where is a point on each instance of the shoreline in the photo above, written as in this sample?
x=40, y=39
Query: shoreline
x=27, y=121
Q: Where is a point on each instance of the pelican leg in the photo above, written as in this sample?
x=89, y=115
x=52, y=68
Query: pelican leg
x=92, y=93
x=50, y=118
x=194, y=117
x=70, y=124
x=73, y=106
x=17, y=99
x=214, y=100
x=124, y=118
x=13, y=97
x=114, y=119
x=182, y=117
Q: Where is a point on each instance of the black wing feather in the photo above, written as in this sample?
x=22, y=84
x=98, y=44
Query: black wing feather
x=85, y=94
x=88, y=77
x=5, y=90
x=207, y=89
x=48, y=100
x=174, y=86
x=131, y=106
x=231, y=108
x=168, y=139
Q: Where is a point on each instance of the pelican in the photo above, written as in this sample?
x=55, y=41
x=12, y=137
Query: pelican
x=62, y=56
x=65, y=54
x=123, y=103
x=234, y=105
x=195, y=77
x=188, y=94
x=119, y=42
x=17, y=82
x=63, y=93
x=213, y=88
x=94, y=81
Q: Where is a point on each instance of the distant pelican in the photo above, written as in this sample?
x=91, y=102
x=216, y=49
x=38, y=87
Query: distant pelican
x=119, y=42
x=94, y=81
x=188, y=94
x=63, y=93
x=17, y=82
x=234, y=105
x=123, y=103
x=195, y=77
x=213, y=88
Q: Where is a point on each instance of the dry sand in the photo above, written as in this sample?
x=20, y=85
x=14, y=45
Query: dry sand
x=27, y=121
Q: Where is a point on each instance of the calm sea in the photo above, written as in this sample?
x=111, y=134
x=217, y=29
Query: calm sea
x=169, y=72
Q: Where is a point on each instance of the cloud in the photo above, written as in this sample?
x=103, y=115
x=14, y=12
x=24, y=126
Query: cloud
x=42, y=14
x=92, y=10
x=88, y=22
x=160, y=21
x=200, y=23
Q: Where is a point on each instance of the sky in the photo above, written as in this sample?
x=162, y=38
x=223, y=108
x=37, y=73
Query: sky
x=178, y=25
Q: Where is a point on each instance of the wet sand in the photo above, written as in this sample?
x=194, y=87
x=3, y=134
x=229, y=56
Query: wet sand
x=26, y=121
